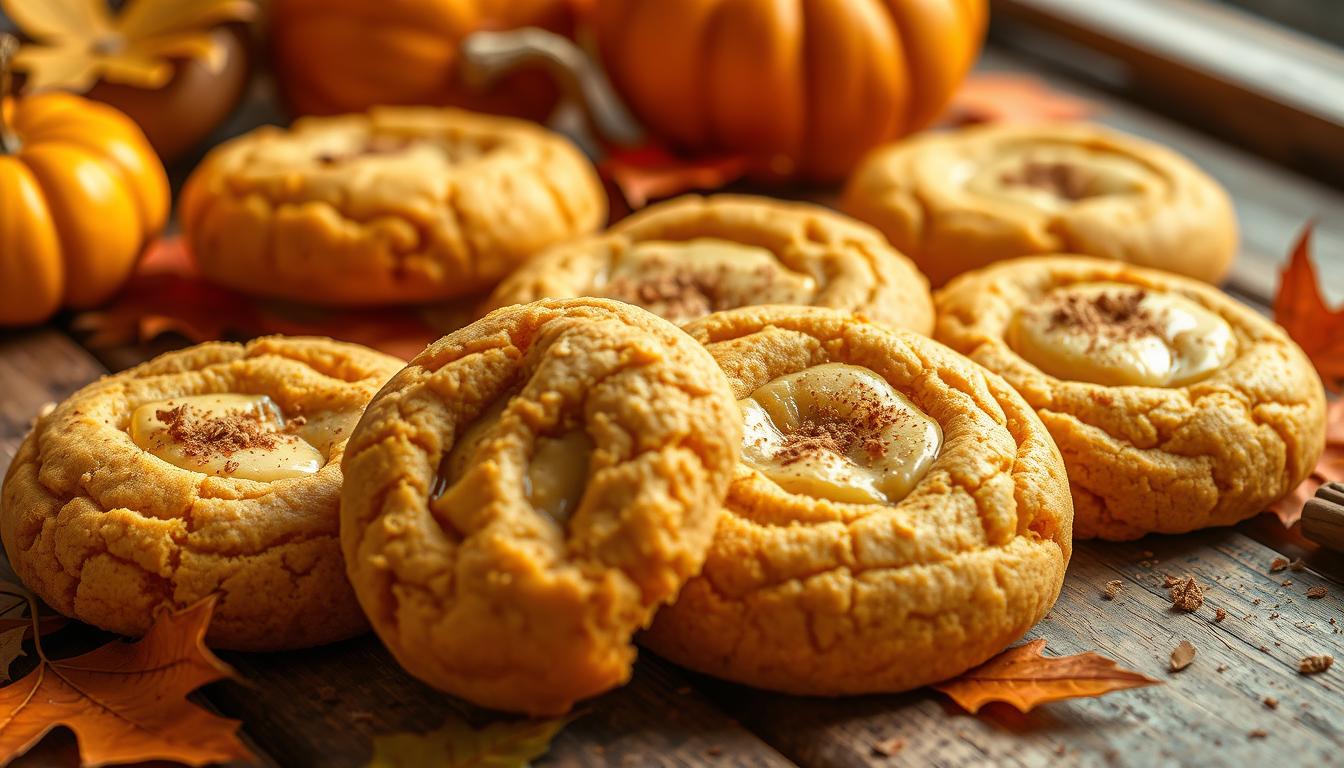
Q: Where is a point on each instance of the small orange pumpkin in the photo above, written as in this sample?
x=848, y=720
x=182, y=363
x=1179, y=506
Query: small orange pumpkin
x=81, y=191
x=338, y=56
x=803, y=88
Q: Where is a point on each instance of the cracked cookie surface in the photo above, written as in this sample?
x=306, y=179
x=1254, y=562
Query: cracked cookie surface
x=1152, y=459
x=399, y=205
x=958, y=200
x=809, y=595
x=688, y=257
x=524, y=495
x=107, y=532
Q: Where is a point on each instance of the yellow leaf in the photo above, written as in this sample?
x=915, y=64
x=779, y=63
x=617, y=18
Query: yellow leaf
x=59, y=19
x=455, y=744
x=1024, y=678
x=75, y=43
x=144, y=19
x=50, y=68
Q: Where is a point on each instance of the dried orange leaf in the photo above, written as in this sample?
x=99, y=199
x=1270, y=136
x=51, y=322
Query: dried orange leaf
x=649, y=172
x=11, y=648
x=126, y=702
x=1329, y=469
x=1300, y=308
x=1011, y=98
x=1025, y=679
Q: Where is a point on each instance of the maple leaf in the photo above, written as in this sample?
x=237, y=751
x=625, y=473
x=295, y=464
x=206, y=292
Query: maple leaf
x=455, y=744
x=126, y=702
x=1329, y=469
x=1300, y=308
x=650, y=172
x=995, y=97
x=1024, y=678
x=15, y=602
x=79, y=42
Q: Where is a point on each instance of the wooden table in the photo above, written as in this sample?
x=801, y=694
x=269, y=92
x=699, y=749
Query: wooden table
x=320, y=707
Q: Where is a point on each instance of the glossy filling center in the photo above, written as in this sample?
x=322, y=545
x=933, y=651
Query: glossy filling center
x=838, y=432
x=1118, y=335
x=555, y=476
x=683, y=281
x=1053, y=177
x=234, y=435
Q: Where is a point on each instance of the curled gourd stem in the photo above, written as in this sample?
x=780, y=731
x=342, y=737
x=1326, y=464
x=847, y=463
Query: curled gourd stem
x=487, y=56
x=9, y=141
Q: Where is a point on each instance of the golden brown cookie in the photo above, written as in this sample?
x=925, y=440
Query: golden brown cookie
x=214, y=469
x=694, y=255
x=955, y=201
x=399, y=205
x=900, y=514
x=523, y=496
x=1175, y=406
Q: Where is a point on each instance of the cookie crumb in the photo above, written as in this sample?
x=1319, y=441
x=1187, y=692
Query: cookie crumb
x=1186, y=595
x=1113, y=588
x=1219, y=614
x=1316, y=593
x=1169, y=581
x=888, y=747
x=1258, y=733
x=714, y=751
x=1270, y=702
x=1182, y=656
x=1221, y=668
x=1286, y=583
x=1278, y=565
x=1314, y=665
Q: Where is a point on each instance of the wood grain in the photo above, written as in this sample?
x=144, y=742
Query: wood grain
x=1201, y=716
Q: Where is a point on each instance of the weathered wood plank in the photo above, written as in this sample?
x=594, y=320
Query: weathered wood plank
x=1200, y=716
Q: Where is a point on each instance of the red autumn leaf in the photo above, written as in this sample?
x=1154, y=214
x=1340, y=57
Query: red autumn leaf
x=1329, y=469
x=649, y=172
x=1012, y=98
x=126, y=702
x=1024, y=678
x=1300, y=308
x=167, y=294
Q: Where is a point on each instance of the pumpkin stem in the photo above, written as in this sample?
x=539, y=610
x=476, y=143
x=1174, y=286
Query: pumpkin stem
x=487, y=56
x=9, y=141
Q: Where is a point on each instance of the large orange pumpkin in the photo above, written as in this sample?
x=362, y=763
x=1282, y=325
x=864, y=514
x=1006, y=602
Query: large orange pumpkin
x=81, y=191
x=338, y=56
x=802, y=87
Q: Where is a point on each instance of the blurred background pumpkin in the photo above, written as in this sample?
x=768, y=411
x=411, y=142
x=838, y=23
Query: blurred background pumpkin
x=803, y=89
x=81, y=192
x=335, y=56
x=176, y=67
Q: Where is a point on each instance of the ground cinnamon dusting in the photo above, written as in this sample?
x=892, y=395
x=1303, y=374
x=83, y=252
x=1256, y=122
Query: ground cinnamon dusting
x=861, y=430
x=1064, y=180
x=688, y=293
x=1114, y=315
x=216, y=435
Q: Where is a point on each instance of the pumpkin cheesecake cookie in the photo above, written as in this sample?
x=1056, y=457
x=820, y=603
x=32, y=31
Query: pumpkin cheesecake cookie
x=899, y=515
x=524, y=495
x=691, y=256
x=955, y=201
x=1175, y=406
x=399, y=205
x=210, y=470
